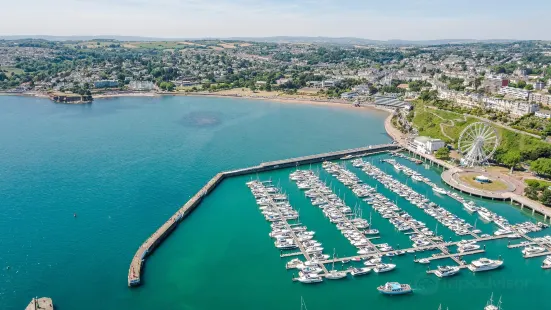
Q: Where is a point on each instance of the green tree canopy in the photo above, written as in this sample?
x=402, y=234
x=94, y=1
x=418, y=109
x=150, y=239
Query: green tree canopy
x=442, y=153
x=541, y=166
x=511, y=159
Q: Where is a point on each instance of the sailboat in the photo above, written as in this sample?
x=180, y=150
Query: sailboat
x=302, y=304
x=490, y=305
x=335, y=274
x=371, y=231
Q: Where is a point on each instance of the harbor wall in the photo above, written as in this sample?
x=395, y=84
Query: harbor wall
x=147, y=248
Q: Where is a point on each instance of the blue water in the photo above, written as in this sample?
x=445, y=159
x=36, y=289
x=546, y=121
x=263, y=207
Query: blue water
x=123, y=166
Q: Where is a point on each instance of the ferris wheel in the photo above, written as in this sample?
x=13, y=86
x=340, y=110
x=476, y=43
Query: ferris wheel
x=477, y=143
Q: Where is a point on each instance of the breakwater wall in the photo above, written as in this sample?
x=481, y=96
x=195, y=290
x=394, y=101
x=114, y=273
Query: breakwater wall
x=138, y=261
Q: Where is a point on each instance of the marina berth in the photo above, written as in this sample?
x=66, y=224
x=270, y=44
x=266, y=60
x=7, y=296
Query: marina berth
x=276, y=209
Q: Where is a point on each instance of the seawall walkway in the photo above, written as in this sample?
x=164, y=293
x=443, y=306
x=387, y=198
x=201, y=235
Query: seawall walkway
x=147, y=248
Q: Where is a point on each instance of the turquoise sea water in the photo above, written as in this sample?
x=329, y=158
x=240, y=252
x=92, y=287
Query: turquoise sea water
x=125, y=165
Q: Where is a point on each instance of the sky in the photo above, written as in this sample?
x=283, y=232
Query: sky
x=378, y=20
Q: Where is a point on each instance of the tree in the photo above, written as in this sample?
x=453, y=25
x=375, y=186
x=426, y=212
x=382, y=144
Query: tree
x=442, y=153
x=511, y=159
x=168, y=86
x=529, y=87
x=541, y=166
x=521, y=84
x=531, y=192
x=478, y=82
x=546, y=197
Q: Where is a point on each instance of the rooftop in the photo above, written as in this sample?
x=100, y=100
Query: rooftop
x=425, y=139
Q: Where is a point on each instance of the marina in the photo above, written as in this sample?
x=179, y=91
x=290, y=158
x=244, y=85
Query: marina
x=353, y=227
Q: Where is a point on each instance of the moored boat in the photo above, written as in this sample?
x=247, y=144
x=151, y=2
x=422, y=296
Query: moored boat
x=394, y=288
x=446, y=271
x=484, y=264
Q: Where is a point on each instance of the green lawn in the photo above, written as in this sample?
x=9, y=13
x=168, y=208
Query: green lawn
x=10, y=70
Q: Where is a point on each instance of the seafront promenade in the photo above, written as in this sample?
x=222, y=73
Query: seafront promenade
x=150, y=244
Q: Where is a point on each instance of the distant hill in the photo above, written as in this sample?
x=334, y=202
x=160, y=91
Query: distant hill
x=275, y=39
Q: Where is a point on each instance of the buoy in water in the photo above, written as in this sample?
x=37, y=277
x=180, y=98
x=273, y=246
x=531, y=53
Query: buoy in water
x=74, y=215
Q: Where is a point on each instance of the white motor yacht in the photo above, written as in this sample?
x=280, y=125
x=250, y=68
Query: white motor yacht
x=360, y=271
x=446, y=271
x=531, y=250
x=484, y=264
x=468, y=247
x=423, y=261
x=547, y=263
x=439, y=190
x=384, y=268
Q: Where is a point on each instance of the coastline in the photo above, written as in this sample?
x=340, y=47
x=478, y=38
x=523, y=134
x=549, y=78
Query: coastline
x=285, y=100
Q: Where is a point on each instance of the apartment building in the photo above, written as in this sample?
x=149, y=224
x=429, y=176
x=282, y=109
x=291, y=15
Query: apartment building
x=515, y=108
x=540, y=98
x=517, y=93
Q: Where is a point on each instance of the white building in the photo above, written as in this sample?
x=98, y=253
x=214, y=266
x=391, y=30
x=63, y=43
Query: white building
x=427, y=145
x=141, y=85
x=361, y=89
x=540, y=98
x=543, y=114
x=468, y=100
x=517, y=93
x=515, y=108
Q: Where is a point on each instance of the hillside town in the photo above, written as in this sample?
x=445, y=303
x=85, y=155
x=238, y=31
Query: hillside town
x=507, y=78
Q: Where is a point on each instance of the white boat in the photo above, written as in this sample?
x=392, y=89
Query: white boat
x=417, y=178
x=547, y=263
x=394, y=288
x=380, y=268
x=490, y=305
x=439, y=190
x=423, y=261
x=310, y=269
x=470, y=206
x=484, y=264
x=446, y=271
x=360, y=271
x=531, y=250
x=468, y=247
x=371, y=232
x=293, y=263
x=309, y=278
x=335, y=275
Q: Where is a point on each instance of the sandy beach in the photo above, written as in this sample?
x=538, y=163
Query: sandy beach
x=232, y=93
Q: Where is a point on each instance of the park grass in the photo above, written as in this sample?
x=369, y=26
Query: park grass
x=10, y=70
x=496, y=185
x=541, y=183
x=429, y=125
